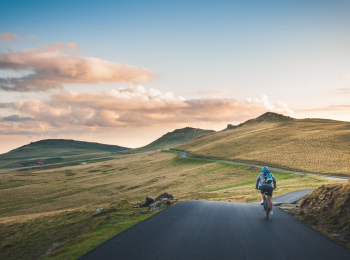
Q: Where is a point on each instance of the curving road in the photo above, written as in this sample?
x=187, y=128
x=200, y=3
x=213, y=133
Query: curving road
x=200, y=230
x=185, y=155
x=291, y=197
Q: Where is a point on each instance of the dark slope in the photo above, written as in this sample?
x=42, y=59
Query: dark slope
x=56, y=150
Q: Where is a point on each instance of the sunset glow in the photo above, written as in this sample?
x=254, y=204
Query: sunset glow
x=127, y=72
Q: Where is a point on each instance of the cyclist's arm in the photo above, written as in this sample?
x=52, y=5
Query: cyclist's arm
x=257, y=182
x=274, y=182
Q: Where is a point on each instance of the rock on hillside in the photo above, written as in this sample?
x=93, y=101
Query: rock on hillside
x=267, y=117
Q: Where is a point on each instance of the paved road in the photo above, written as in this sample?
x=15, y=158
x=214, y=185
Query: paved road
x=291, y=197
x=185, y=155
x=200, y=230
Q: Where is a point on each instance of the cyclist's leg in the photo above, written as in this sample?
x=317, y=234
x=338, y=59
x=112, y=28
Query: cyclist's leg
x=262, y=195
x=270, y=191
x=270, y=200
x=262, y=192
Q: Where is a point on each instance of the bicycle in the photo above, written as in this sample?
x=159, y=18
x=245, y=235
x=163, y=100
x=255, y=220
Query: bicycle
x=266, y=206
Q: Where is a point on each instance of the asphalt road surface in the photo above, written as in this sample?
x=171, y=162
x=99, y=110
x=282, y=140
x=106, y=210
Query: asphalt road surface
x=219, y=230
x=291, y=197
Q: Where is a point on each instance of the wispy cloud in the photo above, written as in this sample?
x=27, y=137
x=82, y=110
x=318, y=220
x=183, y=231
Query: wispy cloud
x=134, y=107
x=326, y=108
x=9, y=37
x=57, y=64
x=343, y=90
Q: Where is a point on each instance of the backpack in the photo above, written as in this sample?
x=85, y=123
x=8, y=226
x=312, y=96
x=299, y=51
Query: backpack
x=268, y=177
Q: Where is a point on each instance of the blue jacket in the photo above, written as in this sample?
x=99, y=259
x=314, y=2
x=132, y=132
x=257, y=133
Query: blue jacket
x=261, y=179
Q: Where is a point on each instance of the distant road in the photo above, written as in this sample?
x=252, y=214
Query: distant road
x=208, y=230
x=291, y=197
x=185, y=155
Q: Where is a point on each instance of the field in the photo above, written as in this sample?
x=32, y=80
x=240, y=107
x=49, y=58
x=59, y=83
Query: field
x=45, y=206
x=309, y=145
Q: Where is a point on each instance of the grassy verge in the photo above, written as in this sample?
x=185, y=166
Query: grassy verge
x=326, y=210
x=78, y=230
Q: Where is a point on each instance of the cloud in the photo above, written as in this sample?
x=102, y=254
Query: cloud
x=133, y=107
x=57, y=64
x=9, y=37
x=212, y=92
x=328, y=108
x=16, y=118
x=343, y=90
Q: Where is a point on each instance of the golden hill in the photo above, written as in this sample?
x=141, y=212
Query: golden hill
x=310, y=145
x=171, y=139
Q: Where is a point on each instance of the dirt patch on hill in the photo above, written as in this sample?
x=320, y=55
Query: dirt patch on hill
x=327, y=209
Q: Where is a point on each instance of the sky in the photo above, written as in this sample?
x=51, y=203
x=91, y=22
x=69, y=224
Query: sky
x=127, y=72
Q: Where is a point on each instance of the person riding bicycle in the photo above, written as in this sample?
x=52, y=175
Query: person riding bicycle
x=266, y=179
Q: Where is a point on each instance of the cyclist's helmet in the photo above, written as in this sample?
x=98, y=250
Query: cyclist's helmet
x=265, y=169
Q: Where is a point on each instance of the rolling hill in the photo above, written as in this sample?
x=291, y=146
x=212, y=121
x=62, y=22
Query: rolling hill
x=56, y=151
x=171, y=139
x=310, y=145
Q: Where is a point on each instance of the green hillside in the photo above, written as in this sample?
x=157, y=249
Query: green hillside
x=311, y=145
x=169, y=140
x=56, y=151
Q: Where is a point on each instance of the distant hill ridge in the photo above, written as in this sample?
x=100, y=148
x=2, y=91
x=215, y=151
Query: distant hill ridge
x=171, y=139
x=55, y=150
x=76, y=144
x=267, y=117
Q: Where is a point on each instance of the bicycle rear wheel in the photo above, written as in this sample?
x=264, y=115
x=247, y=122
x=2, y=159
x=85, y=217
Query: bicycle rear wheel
x=267, y=207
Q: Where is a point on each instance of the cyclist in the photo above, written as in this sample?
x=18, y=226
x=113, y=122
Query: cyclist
x=266, y=179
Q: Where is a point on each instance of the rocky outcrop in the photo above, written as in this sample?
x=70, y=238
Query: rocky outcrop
x=164, y=199
x=149, y=200
x=164, y=195
x=230, y=126
x=157, y=205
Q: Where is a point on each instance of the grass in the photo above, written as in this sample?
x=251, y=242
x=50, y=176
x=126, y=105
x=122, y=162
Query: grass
x=28, y=240
x=118, y=220
x=55, y=205
x=309, y=145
